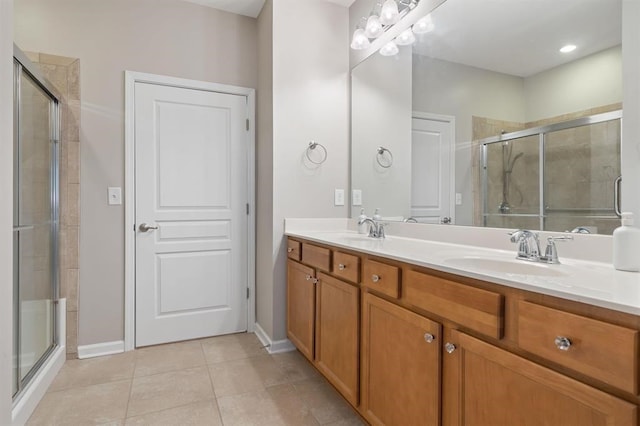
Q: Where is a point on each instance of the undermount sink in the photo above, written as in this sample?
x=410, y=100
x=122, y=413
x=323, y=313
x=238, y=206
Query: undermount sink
x=504, y=266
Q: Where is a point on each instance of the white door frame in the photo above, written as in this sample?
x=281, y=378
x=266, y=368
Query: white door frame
x=132, y=77
x=451, y=121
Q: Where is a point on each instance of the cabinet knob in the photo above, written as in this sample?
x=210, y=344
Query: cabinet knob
x=375, y=278
x=449, y=347
x=428, y=337
x=563, y=343
x=342, y=267
x=289, y=250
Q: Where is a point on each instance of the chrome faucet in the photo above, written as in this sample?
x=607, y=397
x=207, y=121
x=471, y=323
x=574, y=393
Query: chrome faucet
x=529, y=246
x=376, y=229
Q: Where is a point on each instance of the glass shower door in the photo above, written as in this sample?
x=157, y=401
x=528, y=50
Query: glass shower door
x=35, y=226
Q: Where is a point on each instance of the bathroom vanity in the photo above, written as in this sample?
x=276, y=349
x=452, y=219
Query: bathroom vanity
x=426, y=333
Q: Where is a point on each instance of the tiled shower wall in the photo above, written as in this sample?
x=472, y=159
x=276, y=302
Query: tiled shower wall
x=64, y=74
x=579, y=178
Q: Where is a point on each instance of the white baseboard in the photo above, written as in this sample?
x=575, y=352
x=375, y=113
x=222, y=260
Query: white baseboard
x=273, y=347
x=27, y=402
x=100, y=349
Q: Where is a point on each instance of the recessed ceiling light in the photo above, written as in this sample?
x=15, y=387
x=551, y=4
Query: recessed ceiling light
x=568, y=48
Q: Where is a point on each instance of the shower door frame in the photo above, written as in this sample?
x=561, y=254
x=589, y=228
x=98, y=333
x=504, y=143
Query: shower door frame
x=22, y=64
x=541, y=131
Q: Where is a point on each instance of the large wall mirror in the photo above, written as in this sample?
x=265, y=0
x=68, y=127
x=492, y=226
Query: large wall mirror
x=483, y=121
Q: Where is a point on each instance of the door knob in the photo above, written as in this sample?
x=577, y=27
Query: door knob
x=446, y=220
x=145, y=227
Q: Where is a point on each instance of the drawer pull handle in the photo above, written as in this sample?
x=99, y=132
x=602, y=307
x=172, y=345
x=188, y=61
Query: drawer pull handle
x=375, y=278
x=563, y=343
x=289, y=250
x=429, y=338
x=342, y=267
x=449, y=347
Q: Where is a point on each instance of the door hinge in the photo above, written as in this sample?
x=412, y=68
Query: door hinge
x=247, y=124
x=247, y=209
x=248, y=292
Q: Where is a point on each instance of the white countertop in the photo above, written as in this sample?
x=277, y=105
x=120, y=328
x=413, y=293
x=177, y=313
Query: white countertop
x=591, y=282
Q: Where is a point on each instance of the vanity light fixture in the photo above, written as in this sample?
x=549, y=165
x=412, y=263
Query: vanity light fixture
x=405, y=38
x=423, y=25
x=389, y=49
x=382, y=17
x=568, y=48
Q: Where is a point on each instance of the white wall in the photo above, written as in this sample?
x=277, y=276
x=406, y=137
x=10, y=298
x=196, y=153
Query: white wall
x=167, y=37
x=630, y=148
x=310, y=102
x=6, y=207
x=381, y=116
x=577, y=86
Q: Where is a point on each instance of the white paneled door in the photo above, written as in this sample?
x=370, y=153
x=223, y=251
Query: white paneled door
x=431, y=169
x=190, y=213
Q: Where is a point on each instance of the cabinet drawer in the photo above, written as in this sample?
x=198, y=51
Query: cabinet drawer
x=381, y=277
x=318, y=257
x=477, y=309
x=293, y=250
x=346, y=266
x=598, y=349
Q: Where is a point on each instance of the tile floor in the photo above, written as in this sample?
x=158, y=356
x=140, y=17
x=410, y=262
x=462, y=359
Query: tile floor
x=226, y=380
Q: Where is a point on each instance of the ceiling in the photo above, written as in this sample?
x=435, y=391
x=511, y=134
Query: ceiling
x=521, y=37
x=250, y=8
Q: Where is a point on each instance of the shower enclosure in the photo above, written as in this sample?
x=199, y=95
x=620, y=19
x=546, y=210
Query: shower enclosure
x=560, y=177
x=35, y=218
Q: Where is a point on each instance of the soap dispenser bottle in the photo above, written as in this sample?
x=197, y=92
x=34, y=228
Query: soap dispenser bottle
x=376, y=214
x=626, y=245
x=362, y=227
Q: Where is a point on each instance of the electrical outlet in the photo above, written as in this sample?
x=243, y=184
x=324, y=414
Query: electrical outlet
x=114, y=196
x=356, y=197
x=339, y=197
x=458, y=199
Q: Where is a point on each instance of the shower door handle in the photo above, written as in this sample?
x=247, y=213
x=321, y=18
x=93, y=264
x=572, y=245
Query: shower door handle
x=616, y=196
x=145, y=227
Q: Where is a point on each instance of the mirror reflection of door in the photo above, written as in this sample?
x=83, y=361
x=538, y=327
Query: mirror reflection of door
x=432, y=167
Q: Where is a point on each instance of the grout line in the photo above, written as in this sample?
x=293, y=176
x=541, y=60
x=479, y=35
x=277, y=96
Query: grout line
x=135, y=364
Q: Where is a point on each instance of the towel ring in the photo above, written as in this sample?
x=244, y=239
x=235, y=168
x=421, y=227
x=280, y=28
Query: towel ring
x=380, y=158
x=312, y=146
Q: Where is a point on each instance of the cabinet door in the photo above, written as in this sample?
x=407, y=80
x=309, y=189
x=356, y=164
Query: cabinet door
x=485, y=385
x=301, y=300
x=337, y=310
x=401, y=365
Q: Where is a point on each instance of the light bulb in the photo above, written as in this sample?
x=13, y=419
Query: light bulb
x=374, y=27
x=389, y=14
x=423, y=25
x=360, y=40
x=389, y=49
x=405, y=38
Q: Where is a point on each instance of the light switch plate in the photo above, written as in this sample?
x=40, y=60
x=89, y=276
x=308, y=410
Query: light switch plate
x=458, y=199
x=115, y=195
x=339, y=197
x=356, y=197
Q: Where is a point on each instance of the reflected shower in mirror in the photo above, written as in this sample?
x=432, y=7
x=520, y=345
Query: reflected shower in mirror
x=459, y=110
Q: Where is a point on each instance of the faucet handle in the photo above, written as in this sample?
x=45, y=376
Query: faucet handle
x=551, y=251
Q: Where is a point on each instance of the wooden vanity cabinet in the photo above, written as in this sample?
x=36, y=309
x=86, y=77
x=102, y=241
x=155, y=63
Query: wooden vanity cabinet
x=400, y=365
x=323, y=315
x=487, y=385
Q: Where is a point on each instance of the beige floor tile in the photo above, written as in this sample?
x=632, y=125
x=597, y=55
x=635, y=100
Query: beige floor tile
x=94, y=371
x=169, y=390
x=171, y=357
x=278, y=405
x=245, y=375
x=97, y=404
x=323, y=400
x=296, y=366
x=200, y=413
x=232, y=347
